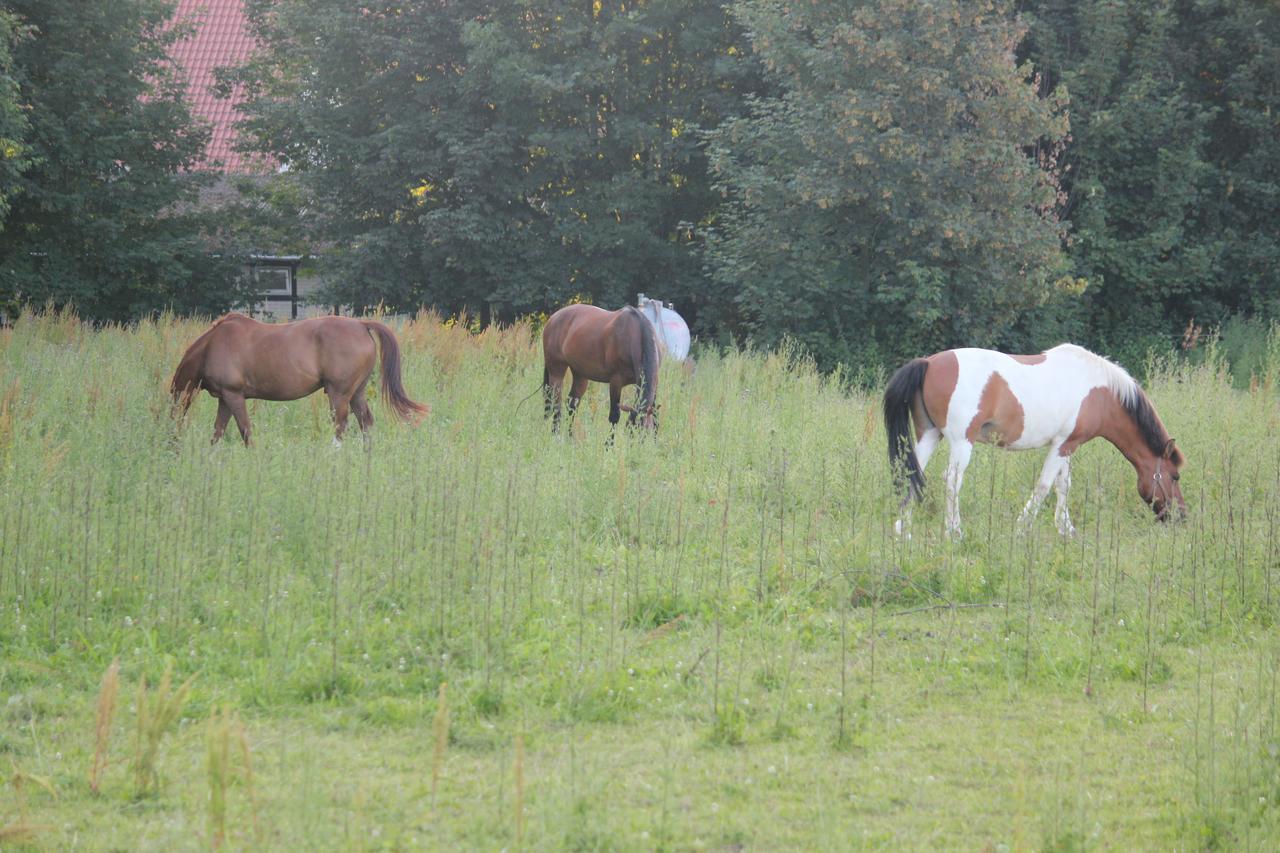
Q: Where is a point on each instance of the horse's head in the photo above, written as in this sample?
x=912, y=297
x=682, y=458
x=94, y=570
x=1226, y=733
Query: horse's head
x=1158, y=484
x=647, y=416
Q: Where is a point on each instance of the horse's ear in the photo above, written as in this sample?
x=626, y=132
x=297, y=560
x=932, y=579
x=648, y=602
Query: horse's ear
x=1169, y=449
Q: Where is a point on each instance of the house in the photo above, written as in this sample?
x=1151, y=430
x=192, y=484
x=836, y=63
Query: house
x=221, y=38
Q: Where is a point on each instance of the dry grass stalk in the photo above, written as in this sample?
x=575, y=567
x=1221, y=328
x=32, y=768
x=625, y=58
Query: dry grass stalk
x=23, y=831
x=226, y=736
x=246, y=757
x=440, y=727
x=519, y=772
x=106, y=712
x=219, y=765
x=157, y=712
x=663, y=630
x=8, y=405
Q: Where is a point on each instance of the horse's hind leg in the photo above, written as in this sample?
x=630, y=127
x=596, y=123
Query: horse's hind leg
x=961, y=450
x=220, y=422
x=235, y=402
x=360, y=405
x=925, y=446
x=615, y=407
x=341, y=405
x=554, y=382
x=364, y=417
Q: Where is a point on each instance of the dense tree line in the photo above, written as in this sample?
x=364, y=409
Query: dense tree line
x=874, y=179
x=1173, y=172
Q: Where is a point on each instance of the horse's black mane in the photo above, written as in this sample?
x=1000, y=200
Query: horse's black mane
x=1139, y=407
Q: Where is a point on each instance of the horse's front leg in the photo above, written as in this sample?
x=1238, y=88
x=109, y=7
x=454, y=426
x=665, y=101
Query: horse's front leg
x=1053, y=465
x=576, y=392
x=615, y=407
x=1062, y=515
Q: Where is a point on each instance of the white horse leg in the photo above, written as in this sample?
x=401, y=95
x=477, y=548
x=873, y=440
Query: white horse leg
x=1053, y=465
x=926, y=445
x=924, y=450
x=1062, y=485
x=961, y=450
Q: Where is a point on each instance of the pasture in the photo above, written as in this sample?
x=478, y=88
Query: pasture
x=705, y=640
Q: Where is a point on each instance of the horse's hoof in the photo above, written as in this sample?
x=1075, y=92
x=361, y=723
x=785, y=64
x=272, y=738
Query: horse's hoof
x=337, y=444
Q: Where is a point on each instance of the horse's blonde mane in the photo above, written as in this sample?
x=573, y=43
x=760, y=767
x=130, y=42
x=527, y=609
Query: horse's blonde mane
x=1124, y=386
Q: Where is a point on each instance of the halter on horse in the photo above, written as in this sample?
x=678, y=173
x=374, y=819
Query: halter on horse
x=1060, y=398
x=618, y=347
x=238, y=358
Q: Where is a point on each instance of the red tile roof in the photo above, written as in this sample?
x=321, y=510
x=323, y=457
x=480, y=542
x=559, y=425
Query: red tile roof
x=221, y=38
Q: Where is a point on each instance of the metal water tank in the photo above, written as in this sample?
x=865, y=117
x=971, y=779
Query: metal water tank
x=672, y=330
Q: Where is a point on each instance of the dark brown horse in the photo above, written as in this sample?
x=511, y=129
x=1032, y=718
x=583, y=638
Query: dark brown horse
x=238, y=358
x=618, y=347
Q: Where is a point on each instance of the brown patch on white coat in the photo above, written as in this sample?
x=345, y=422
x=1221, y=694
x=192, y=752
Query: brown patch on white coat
x=935, y=396
x=999, y=419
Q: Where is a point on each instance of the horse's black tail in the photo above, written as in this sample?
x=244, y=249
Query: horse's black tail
x=898, y=397
x=646, y=357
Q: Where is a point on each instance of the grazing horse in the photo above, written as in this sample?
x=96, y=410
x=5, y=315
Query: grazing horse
x=619, y=347
x=238, y=358
x=1060, y=398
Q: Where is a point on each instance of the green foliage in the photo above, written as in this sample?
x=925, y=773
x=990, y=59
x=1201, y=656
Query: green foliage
x=103, y=216
x=15, y=157
x=897, y=195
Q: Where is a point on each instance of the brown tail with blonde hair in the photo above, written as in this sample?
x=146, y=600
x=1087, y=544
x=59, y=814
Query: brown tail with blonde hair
x=393, y=392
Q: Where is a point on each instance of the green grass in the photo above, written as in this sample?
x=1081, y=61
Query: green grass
x=707, y=639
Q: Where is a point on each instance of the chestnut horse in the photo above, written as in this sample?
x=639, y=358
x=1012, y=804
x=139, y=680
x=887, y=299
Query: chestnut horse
x=238, y=358
x=1060, y=398
x=619, y=347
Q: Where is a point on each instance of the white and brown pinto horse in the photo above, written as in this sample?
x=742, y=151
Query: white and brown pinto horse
x=1058, y=399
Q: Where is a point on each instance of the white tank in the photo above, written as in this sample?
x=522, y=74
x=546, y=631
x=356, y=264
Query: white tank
x=672, y=330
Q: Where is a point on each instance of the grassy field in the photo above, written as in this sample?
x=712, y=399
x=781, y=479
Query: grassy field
x=474, y=634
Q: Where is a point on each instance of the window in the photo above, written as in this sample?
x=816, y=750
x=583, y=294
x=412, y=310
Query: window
x=275, y=281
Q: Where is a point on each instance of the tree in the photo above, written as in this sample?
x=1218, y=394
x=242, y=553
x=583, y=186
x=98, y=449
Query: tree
x=463, y=155
x=106, y=218
x=1236, y=73
x=14, y=127
x=897, y=196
